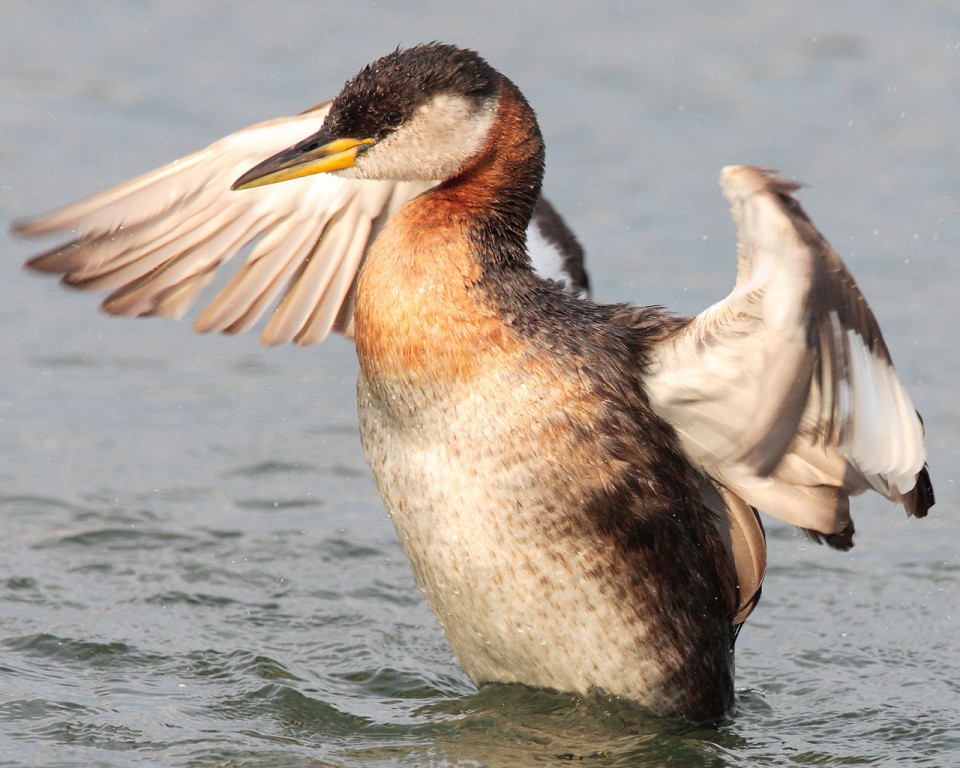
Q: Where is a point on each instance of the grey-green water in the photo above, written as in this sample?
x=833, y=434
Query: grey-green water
x=195, y=568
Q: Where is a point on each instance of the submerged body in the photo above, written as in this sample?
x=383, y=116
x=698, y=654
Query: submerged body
x=501, y=420
x=536, y=567
x=515, y=483
x=572, y=483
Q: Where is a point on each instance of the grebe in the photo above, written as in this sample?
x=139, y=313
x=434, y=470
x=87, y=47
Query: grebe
x=573, y=483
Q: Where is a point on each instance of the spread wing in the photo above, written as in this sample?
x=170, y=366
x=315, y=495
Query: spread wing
x=156, y=241
x=784, y=393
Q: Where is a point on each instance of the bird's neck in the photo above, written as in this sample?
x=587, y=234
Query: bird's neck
x=500, y=188
x=424, y=305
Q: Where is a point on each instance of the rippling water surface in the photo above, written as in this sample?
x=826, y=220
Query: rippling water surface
x=195, y=567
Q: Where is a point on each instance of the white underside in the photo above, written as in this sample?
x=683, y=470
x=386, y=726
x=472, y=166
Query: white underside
x=513, y=600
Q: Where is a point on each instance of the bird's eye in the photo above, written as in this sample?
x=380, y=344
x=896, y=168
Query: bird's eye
x=392, y=119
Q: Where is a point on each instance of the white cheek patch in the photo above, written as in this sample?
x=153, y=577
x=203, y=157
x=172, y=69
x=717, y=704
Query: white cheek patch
x=434, y=144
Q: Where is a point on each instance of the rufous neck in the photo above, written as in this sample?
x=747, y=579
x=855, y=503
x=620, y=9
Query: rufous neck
x=499, y=190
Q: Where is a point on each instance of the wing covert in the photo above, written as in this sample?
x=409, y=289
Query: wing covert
x=784, y=392
x=156, y=241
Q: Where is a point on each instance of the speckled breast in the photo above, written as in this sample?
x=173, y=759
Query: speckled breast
x=484, y=483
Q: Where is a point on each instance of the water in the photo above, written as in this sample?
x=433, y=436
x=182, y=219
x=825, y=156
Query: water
x=195, y=568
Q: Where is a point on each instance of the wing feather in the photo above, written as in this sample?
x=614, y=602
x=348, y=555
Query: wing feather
x=784, y=392
x=158, y=240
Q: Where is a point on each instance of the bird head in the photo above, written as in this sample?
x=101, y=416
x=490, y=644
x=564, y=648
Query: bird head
x=416, y=114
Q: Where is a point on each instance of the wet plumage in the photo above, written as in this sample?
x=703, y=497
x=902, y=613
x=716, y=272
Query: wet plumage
x=573, y=483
